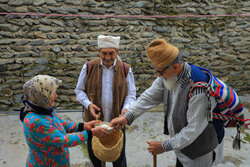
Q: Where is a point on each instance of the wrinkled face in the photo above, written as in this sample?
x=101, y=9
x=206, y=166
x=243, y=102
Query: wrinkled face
x=108, y=56
x=52, y=99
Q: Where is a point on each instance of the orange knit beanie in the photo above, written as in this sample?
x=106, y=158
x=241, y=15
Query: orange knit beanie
x=160, y=53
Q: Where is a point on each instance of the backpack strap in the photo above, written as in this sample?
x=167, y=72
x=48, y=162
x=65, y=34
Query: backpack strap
x=124, y=69
x=88, y=66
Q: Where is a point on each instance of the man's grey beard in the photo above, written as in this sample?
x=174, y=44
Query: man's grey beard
x=170, y=83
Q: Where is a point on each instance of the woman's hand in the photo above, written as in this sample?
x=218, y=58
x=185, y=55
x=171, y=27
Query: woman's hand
x=90, y=125
x=99, y=132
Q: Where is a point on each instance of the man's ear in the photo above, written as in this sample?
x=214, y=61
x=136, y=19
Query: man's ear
x=117, y=50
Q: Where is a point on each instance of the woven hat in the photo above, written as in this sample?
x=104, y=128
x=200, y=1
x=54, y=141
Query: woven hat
x=161, y=53
x=108, y=148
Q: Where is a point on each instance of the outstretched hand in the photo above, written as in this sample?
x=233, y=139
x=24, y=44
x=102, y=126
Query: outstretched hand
x=90, y=125
x=99, y=132
x=119, y=121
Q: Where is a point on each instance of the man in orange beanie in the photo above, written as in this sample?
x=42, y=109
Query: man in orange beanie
x=195, y=141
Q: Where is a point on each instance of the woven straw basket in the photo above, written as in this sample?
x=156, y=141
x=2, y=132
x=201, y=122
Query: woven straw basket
x=108, y=148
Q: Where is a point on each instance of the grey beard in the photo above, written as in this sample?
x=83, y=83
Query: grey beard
x=170, y=83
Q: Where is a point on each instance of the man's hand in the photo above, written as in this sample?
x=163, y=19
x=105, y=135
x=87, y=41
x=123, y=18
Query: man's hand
x=99, y=132
x=123, y=111
x=119, y=121
x=155, y=147
x=93, y=108
x=90, y=125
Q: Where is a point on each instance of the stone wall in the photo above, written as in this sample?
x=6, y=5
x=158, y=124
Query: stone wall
x=59, y=45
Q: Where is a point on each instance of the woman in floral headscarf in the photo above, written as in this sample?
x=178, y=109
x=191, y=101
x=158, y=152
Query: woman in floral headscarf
x=45, y=132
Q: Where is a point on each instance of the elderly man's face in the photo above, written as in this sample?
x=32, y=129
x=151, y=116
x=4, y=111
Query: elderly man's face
x=108, y=56
x=169, y=74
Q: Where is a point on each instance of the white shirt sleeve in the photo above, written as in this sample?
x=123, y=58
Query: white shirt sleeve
x=152, y=97
x=131, y=97
x=81, y=95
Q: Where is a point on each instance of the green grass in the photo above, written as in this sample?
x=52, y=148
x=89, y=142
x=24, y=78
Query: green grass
x=84, y=150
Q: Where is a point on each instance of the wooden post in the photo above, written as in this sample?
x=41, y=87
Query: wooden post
x=155, y=160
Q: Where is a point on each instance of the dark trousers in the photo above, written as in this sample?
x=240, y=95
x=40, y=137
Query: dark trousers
x=178, y=163
x=120, y=162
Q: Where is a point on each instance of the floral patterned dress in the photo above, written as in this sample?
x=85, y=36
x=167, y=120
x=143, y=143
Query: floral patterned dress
x=48, y=141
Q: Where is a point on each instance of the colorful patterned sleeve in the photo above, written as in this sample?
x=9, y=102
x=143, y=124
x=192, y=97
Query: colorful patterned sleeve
x=48, y=134
x=70, y=126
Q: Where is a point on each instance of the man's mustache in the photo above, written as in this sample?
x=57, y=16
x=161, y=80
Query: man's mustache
x=108, y=60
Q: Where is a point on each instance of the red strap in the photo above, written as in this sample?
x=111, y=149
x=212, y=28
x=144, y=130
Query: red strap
x=124, y=69
x=87, y=66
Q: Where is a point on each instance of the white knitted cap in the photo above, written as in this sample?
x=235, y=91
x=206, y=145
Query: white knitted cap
x=108, y=41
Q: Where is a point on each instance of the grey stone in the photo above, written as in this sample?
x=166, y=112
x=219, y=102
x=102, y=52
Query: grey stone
x=6, y=41
x=150, y=23
x=56, y=10
x=14, y=67
x=41, y=68
x=21, y=55
x=107, y=5
x=6, y=56
x=12, y=81
x=37, y=42
x=191, y=10
x=27, y=2
x=15, y=2
x=76, y=61
x=140, y=4
x=52, y=3
x=74, y=36
x=56, y=49
x=5, y=102
x=232, y=24
x=6, y=34
x=44, y=10
x=72, y=10
x=6, y=61
x=160, y=29
x=59, y=23
x=45, y=21
x=9, y=27
x=75, y=2
x=213, y=40
x=136, y=23
x=93, y=43
x=62, y=61
x=45, y=29
x=22, y=42
x=6, y=8
x=61, y=41
x=30, y=74
x=48, y=54
x=83, y=42
x=64, y=98
x=3, y=67
x=41, y=61
x=38, y=2
x=180, y=40
x=147, y=34
x=28, y=60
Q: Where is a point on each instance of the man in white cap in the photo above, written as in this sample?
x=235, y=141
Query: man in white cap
x=106, y=88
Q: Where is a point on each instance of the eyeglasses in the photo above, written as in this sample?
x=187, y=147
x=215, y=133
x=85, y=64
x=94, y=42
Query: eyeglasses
x=161, y=72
